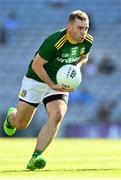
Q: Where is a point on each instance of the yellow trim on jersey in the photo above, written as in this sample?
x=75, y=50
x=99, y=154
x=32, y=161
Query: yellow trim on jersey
x=89, y=40
x=89, y=36
x=60, y=40
x=57, y=46
x=61, y=44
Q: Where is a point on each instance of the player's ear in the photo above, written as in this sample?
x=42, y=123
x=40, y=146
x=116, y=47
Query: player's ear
x=69, y=26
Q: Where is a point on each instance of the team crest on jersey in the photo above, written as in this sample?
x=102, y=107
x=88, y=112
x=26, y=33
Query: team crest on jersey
x=23, y=93
x=82, y=50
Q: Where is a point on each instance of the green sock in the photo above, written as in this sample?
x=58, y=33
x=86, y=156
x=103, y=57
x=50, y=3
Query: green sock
x=36, y=153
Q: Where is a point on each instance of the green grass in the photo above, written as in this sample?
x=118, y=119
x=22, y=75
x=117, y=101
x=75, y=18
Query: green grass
x=66, y=159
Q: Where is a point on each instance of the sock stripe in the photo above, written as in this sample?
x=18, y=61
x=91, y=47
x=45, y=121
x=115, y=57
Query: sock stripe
x=36, y=153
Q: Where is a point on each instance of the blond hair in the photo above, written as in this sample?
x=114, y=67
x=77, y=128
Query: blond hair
x=79, y=15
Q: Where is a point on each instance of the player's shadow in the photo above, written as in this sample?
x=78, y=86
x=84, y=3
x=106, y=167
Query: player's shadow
x=59, y=170
x=105, y=169
x=12, y=171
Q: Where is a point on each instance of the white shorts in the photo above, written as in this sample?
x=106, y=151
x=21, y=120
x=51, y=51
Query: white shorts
x=35, y=92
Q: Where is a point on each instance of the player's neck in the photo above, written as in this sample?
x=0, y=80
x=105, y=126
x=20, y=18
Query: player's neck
x=70, y=38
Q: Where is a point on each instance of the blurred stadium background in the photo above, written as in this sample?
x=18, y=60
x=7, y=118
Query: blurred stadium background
x=95, y=107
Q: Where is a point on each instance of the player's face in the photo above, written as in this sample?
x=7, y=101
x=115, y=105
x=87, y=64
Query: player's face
x=78, y=30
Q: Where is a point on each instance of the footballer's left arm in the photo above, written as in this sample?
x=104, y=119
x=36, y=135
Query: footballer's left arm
x=82, y=61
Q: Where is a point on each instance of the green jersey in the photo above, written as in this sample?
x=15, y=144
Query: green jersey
x=58, y=50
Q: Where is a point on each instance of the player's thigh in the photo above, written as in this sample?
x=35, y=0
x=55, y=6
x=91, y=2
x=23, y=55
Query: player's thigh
x=56, y=109
x=25, y=112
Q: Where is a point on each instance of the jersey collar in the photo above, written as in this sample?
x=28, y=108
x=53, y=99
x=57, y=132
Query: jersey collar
x=70, y=39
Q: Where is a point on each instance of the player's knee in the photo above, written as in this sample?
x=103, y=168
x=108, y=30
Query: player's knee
x=20, y=125
x=58, y=116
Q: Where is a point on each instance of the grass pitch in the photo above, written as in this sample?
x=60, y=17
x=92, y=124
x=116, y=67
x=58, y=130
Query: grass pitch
x=66, y=159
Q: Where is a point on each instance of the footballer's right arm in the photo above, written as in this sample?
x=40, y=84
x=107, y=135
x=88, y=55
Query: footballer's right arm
x=38, y=68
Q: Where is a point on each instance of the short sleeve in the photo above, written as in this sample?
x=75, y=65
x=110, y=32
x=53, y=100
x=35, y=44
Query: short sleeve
x=88, y=43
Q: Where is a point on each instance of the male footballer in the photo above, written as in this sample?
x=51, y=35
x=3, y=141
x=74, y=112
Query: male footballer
x=67, y=46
